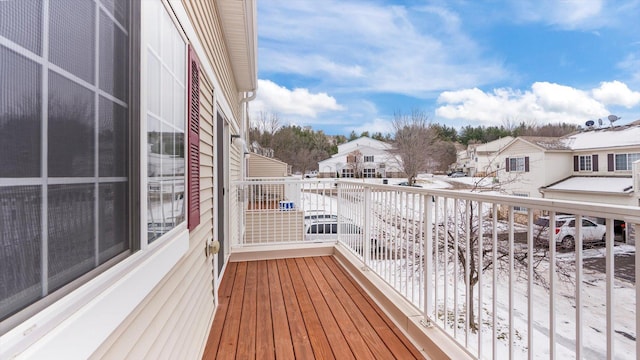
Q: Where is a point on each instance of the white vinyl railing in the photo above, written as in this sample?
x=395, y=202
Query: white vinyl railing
x=483, y=272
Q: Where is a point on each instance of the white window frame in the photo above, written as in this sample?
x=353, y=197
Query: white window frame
x=151, y=17
x=517, y=164
x=73, y=317
x=585, y=162
x=369, y=158
x=630, y=158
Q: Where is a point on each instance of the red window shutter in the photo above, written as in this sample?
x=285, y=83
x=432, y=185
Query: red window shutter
x=594, y=162
x=610, y=162
x=576, y=164
x=526, y=164
x=193, y=103
x=506, y=166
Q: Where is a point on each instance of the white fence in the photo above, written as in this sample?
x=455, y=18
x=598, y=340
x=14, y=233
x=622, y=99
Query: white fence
x=480, y=268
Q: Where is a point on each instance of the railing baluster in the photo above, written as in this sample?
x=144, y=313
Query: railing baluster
x=445, y=255
x=428, y=254
x=552, y=285
x=530, y=240
x=494, y=300
x=467, y=270
x=610, y=283
x=511, y=285
x=436, y=242
x=578, y=252
x=480, y=282
x=456, y=238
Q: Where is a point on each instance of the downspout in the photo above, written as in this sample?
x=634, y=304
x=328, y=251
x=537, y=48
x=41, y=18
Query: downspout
x=245, y=115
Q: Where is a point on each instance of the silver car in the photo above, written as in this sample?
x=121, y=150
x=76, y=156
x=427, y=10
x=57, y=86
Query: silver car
x=565, y=230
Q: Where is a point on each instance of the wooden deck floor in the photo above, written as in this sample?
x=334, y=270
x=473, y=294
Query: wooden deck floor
x=300, y=308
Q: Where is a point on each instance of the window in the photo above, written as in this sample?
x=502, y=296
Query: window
x=165, y=119
x=625, y=162
x=66, y=125
x=369, y=173
x=347, y=173
x=368, y=158
x=584, y=162
x=516, y=164
x=520, y=208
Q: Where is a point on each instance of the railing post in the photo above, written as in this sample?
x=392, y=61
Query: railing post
x=428, y=257
x=366, y=246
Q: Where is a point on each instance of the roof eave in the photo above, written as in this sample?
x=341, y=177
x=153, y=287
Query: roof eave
x=239, y=27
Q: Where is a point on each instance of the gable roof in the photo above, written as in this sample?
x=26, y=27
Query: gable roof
x=363, y=141
x=619, y=136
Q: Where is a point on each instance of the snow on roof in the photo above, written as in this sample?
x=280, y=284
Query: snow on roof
x=619, y=136
x=617, y=185
x=547, y=143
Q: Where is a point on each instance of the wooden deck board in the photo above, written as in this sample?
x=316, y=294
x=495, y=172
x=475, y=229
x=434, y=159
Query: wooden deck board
x=265, y=348
x=300, y=308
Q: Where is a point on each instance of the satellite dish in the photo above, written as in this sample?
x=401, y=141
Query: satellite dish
x=590, y=123
x=613, y=118
x=600, y=122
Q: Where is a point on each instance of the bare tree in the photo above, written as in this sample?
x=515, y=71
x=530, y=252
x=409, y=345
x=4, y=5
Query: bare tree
x=413, y=139
x=355, y=161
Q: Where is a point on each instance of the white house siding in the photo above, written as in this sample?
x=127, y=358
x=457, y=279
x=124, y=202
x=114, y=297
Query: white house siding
x=261, y=166
x=174, y=320
x=523, y=182
x=558, y=166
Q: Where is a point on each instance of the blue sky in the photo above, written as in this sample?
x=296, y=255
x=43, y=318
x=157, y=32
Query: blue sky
x=344, y=65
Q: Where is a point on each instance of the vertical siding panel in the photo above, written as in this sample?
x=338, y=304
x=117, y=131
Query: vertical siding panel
x=177, y=315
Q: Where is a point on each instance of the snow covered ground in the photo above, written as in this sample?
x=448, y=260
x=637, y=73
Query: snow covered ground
x=406, y=276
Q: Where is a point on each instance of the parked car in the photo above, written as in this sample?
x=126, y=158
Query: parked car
x=326, y=229
x=406, y=183
x=311, y=174
x=456, y=174
x=319, y=214
x=565, y=230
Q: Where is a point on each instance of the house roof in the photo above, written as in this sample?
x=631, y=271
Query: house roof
x=363, y=141
x=546, y=143
x=493, y=146
x=610, y=137
x=602, y=184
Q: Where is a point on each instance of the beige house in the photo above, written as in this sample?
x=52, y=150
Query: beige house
x=262, y=166
x=104, y=251
x=363, y=157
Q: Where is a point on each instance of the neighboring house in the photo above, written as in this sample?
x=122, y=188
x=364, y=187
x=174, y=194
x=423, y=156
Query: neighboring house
x=262, y=166
x=115, y=123
x=527, y=163
x=363, y=157
x=602, y=165
x=595, y=165
x=480, y=159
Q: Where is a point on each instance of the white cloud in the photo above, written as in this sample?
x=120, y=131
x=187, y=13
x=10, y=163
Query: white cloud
x=616, y=93
x=631, y=64
x=377, y=125
x=570, y=14
x=372, y=47
x=274, y=98
x=544, y=102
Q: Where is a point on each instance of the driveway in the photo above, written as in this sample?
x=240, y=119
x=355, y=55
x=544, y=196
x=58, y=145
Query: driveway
x=624, y=265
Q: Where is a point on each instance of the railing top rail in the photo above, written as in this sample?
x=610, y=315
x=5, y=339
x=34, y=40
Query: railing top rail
x=629, y=213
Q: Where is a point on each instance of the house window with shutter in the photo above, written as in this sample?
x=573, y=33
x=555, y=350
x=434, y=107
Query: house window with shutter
x=624, y=162
x=68, y=146
x=166, y=72
x=517, y=164
x=585, y=163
